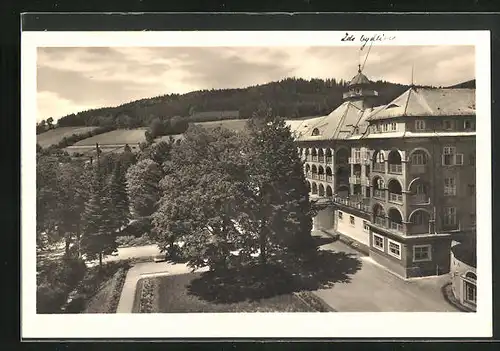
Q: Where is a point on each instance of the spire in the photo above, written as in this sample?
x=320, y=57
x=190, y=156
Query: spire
x=359, y=68
x=412, y=81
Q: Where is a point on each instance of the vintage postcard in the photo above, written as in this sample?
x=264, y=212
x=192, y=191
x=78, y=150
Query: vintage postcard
x=256, y=184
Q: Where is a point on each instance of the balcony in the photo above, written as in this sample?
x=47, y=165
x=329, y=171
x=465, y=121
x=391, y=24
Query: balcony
x=395, y=226
x=354, y=160
x=322, y=177
x=420, y=199
x=329, y=159
x=396, y=168
x=315, y=176
x=380, y=221
x=309, y=158
x=418, y=169
x=355, y=180
x=398, y=198
x=379, y=167
x=379, y=194
x=315, y=158
x=308, y=174
x=329, y=178
x=366, y=182
x=357, y=203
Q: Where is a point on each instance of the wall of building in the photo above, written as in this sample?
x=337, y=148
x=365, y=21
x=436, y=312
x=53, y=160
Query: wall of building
x=459, y=268
x=356, y=231
x=324, y=219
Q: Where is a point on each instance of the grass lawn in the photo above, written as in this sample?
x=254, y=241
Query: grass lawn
x=174, y=297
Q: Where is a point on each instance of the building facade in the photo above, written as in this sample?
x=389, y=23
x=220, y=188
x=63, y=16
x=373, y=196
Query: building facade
x=399, y=178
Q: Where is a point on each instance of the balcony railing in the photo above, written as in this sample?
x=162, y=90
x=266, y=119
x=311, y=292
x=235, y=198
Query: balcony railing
x=322, y=177
x=355, y=180
x=366, y=181
x=329, y=178
x=419, y=199
x=393, y=197
x=308, y=174
x=314, y=176
x=380, y=221
x=379, y=194
x=329, y=159
x=418, y=169
x=358, y=203
x=379, y=167
x=396, y=168
x=395, y=226
x=354, y=160
x=315, y=158
x=308, y=157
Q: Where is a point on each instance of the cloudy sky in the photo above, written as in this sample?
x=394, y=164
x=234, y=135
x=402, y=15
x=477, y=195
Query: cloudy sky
x=74, y=79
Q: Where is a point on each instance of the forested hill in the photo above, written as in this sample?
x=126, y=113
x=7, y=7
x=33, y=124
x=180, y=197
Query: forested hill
x=290, y=98
x=470, y=84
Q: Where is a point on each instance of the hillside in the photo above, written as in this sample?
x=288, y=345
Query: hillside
x=470, y=84
x=290, y=98
x=54, y=136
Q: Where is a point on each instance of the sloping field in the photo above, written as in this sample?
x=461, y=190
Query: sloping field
x=115, y=137
x=231, y=124
x=54, y=136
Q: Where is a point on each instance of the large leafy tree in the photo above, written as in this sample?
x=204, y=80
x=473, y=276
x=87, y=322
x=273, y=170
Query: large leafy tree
x=278, y=207
x=143, y=187
x=202, y=197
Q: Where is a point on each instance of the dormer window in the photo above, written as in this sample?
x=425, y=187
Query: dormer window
x=419, y=125
x=467, y=124
x=315, y=132
x=447, y=125
x=392, y=106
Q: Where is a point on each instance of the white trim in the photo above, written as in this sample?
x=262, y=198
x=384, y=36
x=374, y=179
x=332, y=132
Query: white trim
x=352, y=220
x=373, y=242
x=429, y=246
x=420, y=122
x=389, y=242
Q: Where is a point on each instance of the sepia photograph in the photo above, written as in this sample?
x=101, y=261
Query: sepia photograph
x=242, y=181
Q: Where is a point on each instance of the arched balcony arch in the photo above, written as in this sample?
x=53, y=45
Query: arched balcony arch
x=419, y=190
x=321, y=155
x=378, y=161
x=329, y=174
x=378, y=185
x=418, y=221
x=395, y=219
x=471, y=275
x=308, y=186
x=328, y=155
x=314, y=172
x=329, y=191
x=395, y=162
x=379, y=217
x=314, y=155
x=321, y=173
x=308, y=167
x=395, y=191
x=314, y=188
x=419, y=159
x=321, y=190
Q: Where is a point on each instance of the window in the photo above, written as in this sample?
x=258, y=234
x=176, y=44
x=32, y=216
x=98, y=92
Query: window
x=418, y=158
x=418, y=219
x=357, y=154
x=470, y=292
x=450, y=157
x=351, y=220
x=472, y=160
x=450, y=216
x=366, y=227
x=340, y=215
x=394, y=248
x=394, y=126
x=448, y=125
x=472, y=189
x=386, y=127
x=378, y=242
x=315, y=132
x=450, y=187
x=467, y=124
x=419, y=125
x=420, y=189
x=378, y=128
x=421, y=253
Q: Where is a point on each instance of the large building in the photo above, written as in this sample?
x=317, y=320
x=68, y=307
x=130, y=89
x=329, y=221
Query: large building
x=399, y=179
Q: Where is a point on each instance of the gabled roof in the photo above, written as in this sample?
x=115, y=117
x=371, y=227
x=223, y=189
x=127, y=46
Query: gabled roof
x=422, y=102
x=300, y=126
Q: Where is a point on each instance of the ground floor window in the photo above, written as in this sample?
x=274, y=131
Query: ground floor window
x=394, y=248
x=421, y=253
x=340, y=215
x=366, y=227
x=378, y=242
x=351, y=220
x=470, y=292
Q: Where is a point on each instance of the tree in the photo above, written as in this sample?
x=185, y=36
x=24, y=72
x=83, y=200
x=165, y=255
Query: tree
x=50, y=122
x=98, y=238
x=149, y=137
x=202, y=197
x=143, y=187
x=157, y=128
x=279, y=208
x=117, y=192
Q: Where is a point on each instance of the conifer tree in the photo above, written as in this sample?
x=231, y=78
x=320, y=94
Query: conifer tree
x=117, y=192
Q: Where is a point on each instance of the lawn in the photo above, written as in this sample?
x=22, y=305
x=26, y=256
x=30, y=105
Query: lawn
x=174, y=296
x=54, y=136
x=115, y=137
x=237, y=125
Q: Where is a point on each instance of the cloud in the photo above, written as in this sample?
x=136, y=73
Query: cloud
x=50, y=104
x=109, y=76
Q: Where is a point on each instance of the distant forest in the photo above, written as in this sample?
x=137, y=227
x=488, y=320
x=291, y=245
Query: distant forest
x=290, y=98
